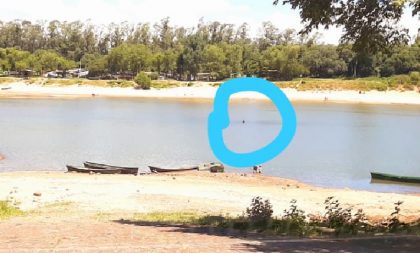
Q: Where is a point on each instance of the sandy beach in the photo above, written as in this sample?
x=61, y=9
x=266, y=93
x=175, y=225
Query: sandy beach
x=204, y=91
x=96, y=213
x=201, y=192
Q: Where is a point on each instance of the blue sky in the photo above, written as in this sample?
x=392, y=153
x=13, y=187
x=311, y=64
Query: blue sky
x=181, y=12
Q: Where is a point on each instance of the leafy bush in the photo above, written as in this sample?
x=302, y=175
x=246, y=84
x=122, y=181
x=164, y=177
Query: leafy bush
x=260, y=211
x=154, y=76
x=143, y=81
x=415, y=78
x=335, y=215
x=342, y=219
x=393, y=223
x=292, y=223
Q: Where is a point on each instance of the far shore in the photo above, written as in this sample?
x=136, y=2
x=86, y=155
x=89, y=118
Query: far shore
x=203, y=192
x=204, y=91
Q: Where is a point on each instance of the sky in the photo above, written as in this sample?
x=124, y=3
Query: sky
x=181, y=13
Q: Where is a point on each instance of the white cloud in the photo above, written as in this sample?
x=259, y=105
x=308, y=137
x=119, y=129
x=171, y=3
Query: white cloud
x=181, y=12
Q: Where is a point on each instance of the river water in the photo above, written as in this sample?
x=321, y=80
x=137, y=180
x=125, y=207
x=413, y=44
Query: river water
x=336, y=145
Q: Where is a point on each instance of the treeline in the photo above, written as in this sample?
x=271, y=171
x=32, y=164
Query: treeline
x=209, y=50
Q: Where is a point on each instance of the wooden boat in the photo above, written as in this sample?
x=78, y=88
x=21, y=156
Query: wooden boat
x=154, y=169
x=394, y=178
x=86, y=170
x=213, y=167
x=100, y=166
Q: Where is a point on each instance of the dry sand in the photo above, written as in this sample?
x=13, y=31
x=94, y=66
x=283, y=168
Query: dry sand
x=201, y=192
x=205, y=91
x=94, y=213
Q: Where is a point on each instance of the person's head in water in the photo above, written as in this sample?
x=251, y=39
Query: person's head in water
x=243, y=121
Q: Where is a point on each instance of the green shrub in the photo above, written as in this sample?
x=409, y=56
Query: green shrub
x=7, y=210
x=294, y=220
x=120, y=83
x=393, y=223
x=342, y=219
x=415, y=78
x=143, y=81
x=260, y=211
x=380, y=86
x=336, y=220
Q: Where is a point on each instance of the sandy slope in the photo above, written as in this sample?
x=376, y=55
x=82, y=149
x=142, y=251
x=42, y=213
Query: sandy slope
x=204, y=91
x=203, y=192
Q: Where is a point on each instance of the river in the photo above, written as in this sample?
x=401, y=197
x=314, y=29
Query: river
x=336, y=145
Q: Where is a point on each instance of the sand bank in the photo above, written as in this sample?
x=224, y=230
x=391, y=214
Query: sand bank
x=200, y=191
x=205, y=91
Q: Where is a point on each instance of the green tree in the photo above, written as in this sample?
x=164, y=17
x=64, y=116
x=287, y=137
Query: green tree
x=213, y=61
x=282, y=62
x=143, y=81
x=251, y=60
x=129, y=57
x=96, y=64
x=50, y=60
x=323, y=61
x=233, y=59
x=368, y=24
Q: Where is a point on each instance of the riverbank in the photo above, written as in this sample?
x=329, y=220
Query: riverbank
x=203, y=192
x=203, y=91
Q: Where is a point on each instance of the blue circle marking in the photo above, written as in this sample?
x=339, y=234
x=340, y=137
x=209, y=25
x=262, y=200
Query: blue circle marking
x=219, y=120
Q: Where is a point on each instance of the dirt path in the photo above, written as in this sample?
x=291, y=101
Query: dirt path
x=53, y=234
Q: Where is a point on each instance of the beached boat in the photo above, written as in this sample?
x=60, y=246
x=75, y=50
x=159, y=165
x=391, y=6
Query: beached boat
x=154, y=169
x=87, y=170
x=100, y=166
x=394, y=178
x=213, y=167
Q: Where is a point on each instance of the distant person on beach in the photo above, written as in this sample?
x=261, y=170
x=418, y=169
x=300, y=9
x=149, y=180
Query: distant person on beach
x=2, y=157
x=257, y=169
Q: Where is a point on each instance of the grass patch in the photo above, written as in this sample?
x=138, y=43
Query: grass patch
x=8, y=211
x=336, y=221
x=121, y=83
x=285, y=226
x=162, y=84
x=81, y=82
x=63, y=82
x=64, y=204
x=7, y=80
x=103, y=216
x=241, y=223
x=397, y=82
x=175, y=218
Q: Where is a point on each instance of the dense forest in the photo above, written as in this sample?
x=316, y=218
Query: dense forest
x=214, y=50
